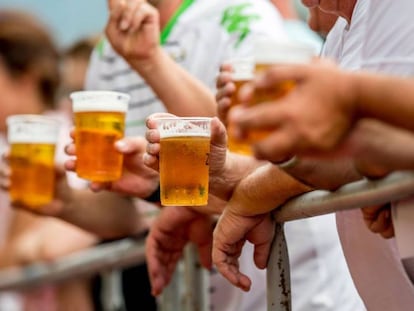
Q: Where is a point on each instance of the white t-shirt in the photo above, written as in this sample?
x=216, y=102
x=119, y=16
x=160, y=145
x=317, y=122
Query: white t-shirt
x=380, y=38
x=200, y=40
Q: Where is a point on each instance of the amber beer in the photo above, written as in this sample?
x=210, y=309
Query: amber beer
x=270, y=53
x=184, y=161
x=99, y=123
x=242, y=72
x=32, y=142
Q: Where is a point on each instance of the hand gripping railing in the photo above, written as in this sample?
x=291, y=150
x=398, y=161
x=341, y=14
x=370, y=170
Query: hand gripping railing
x=188, y=290
x=358, y=194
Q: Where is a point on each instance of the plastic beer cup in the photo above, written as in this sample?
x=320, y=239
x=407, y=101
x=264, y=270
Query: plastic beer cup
x=99, y=123
x=184, y=160
x=32, y=140
x=270, y=53
x=242, y=72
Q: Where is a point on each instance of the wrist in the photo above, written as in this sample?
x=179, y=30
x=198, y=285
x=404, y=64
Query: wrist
x=235, y=169
x=146, y=66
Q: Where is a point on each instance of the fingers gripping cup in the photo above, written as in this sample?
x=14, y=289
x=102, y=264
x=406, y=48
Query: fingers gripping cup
x=184, y=160
x=242, y=72
x=32, y=140
x=270, y=53
x=99, y=123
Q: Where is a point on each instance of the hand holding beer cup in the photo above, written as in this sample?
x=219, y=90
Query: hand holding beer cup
x=267, y=54
x=313, y=118
x=222, y=179
x=99, y=123
x=136, y=180
x=184, y=160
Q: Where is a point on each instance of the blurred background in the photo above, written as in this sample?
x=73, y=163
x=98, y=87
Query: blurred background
x=68, y=20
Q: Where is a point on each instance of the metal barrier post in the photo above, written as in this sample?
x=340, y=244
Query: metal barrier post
x=171, y=297
x=278, y=274
x=196, y=282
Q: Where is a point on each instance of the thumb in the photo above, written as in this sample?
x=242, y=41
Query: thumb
x=218, y=134
x=129, y=145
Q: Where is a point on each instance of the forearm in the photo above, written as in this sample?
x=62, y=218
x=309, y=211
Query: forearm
x=386, y=98
x=324, y=174
x=223, y=182
x=264, y=190
x=181, y=93
x=380, y=148
x=106, y=214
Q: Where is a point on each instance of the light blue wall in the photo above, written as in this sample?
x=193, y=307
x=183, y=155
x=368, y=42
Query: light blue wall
x=68, y=19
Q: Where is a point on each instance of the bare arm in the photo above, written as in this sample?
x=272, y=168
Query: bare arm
x=386, y=98
x=181, y=93
x=138, y=44
x=108, y=215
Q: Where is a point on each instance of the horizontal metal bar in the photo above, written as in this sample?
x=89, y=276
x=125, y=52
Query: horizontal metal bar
x=107, y=256
x=396, y=186
x=126, y=252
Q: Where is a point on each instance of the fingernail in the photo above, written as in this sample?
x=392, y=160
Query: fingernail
x=121, y=146
x=124, y=25
x=146, y=158
x=235, y=114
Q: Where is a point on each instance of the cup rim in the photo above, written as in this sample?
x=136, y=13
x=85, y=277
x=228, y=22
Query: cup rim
x=31, y=117
x=185, y=118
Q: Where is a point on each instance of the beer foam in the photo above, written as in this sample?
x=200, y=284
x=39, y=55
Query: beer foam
x=242, y=76
x=286, y=52
x=169, y=135
x=242, y=68
x=32, y=129
x=184, y=127
x=83, y=101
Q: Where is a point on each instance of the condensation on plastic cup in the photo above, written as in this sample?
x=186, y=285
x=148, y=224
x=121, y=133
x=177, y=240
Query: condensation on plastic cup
x=32, y=140
x=99, y=122
x=184, y=160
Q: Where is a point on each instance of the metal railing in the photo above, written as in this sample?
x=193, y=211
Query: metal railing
x=396, y=186
x=188, y=290
x=103, y=257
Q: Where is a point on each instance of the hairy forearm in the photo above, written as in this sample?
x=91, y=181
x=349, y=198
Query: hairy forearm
x=106, y=214
x=181, y=93
x=327, y=175
x=386, y=98
x=380, y=148
x=263, y=190
x=236, y=168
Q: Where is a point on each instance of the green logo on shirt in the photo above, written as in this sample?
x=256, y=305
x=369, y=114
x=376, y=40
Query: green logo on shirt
x=236, y=21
